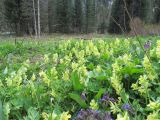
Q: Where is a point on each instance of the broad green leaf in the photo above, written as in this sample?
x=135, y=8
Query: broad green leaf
x=76, y=81
x=99, y=94
x=131, y=70
x=101, y=77
x=78, y=99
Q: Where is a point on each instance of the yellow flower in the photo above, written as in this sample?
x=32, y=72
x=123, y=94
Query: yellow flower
x=114, y=107
x=74, y=66
x=41, y=73
x=83, y=70
x=142, y=85
x=149, y=68
x=46, y=58
x=88, y=51
x=116, y=78
x=66, y=75
x=94, y=105
x=98, y=69
x=33, y=77
x=125, y=117
x=153, y=116
x=54, y=115
x=61, y=61
x=127, y=59
x=96, y=52
x=154, y=105
x=44, y=77
x=158, y=49
x=134, y=86
x=65, y=116
x=45, y=116
x=67, y=58
x=54, y=73
x=55, y=57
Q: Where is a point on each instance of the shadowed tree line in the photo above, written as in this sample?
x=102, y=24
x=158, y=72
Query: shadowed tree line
x=74, y=16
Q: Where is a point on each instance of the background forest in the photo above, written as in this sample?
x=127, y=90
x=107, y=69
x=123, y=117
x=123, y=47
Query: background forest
x=28, y=17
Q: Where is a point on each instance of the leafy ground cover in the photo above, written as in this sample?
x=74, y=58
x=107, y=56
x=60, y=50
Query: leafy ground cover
x=80, y=80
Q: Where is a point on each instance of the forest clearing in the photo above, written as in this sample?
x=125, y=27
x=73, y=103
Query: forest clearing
x=79, y=79
x=79, y=59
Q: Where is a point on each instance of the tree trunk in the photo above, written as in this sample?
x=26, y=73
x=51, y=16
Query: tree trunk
x=39, y=23
x=34, y=16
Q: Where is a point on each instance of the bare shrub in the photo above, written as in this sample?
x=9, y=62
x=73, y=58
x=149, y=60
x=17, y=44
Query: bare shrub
x=137, y=25
x=143, y=29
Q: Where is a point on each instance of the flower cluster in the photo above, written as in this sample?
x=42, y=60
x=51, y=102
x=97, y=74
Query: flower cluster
x=44, y=77
x=149, y=69
x=158, y=49
x=123, y=117
x=116, y=78
x=94, y=105
x=54, y=116
x=142, y=85
x=106, y=99
x=154, y=105
x=54, y=73
x=90, y=114
x=16, y=78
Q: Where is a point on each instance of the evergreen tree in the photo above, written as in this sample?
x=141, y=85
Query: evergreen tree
x=13, y=15
x=2, y=20
x=52, y=22
x=61, y=16
x=90, y=16
x=149, y=14
x=44, y=16
x=78, y=16
x=27, y=16
x=70, y=15
x=103, y=9
x=156, y=10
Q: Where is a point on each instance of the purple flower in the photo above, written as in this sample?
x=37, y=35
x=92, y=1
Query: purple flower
x=84, y=114
x=107, y=98
x=83, y=96
x=147, y=45
x=107, y=116
x=126, y=107
x=90, y=114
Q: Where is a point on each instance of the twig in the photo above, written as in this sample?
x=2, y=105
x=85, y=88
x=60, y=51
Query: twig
x=122, y=31
x=135, y=32
x=117, y=24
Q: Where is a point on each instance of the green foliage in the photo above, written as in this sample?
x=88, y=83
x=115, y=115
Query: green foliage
x=55, y=80
x=1, y=110
x=78, y=99
x=76, y=82
x=32, y=114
